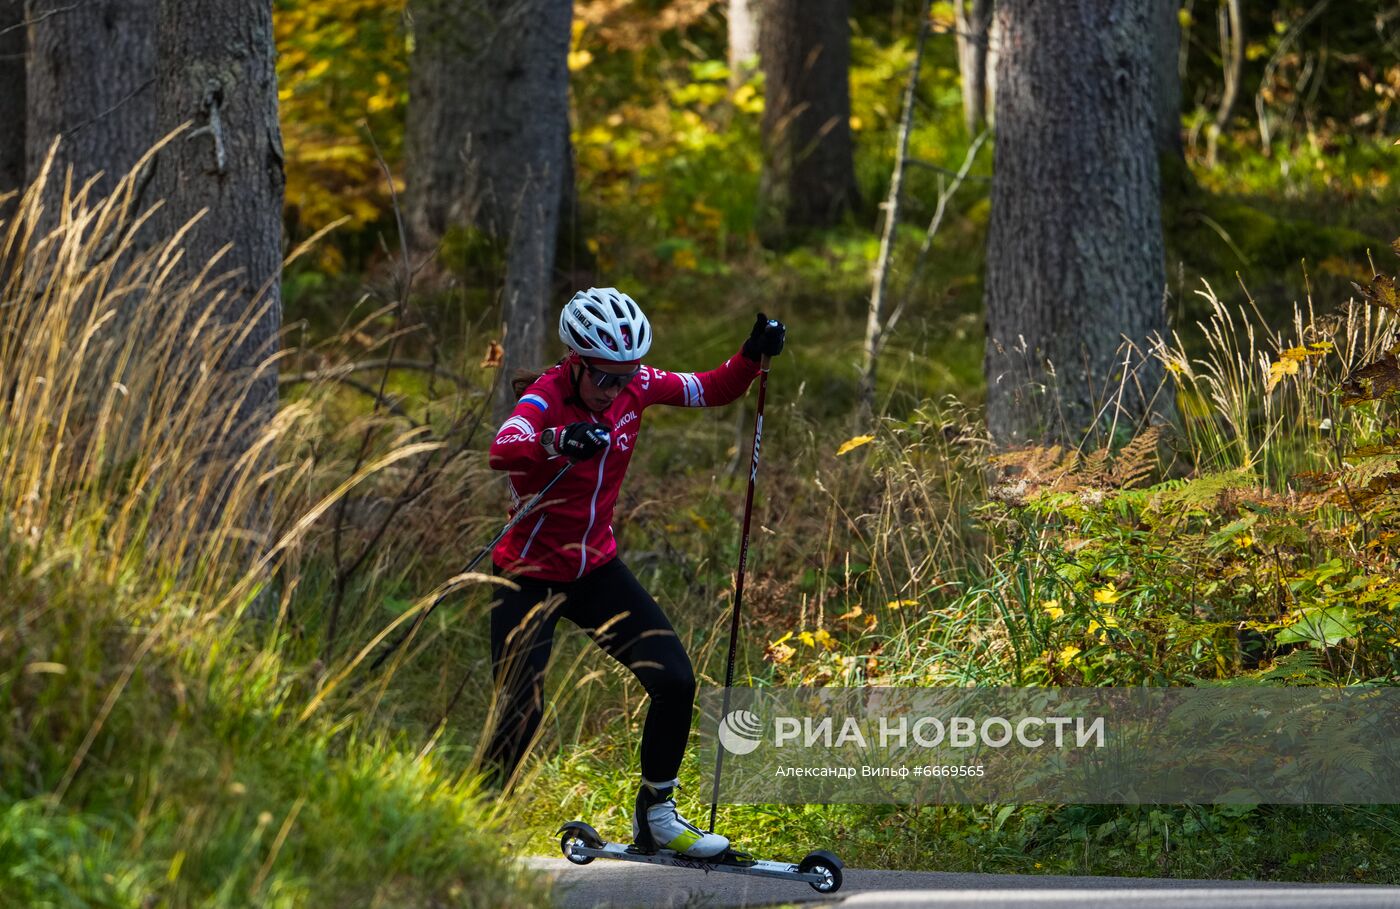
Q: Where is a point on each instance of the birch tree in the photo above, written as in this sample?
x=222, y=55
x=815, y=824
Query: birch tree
x=973, y=21
x=744, y=20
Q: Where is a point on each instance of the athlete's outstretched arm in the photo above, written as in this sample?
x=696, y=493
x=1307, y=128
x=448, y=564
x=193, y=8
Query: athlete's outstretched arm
x=722, y=384
x=714, y=388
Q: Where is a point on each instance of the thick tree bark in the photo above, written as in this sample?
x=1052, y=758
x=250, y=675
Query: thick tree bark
x=466, y=127
x=1074, y=245
x=91, y=77
x=973, y=20
x=744, y=21
x=449, y=39
x=808, y=175
x=12, y=108
x=517, y=163
x=1166, y=57
x=487, y=146
x=217, y=74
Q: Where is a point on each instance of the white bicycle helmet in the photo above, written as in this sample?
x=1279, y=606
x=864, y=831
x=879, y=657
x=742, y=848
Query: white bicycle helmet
x=605, y=323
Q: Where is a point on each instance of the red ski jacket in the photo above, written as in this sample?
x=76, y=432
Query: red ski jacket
x=571, y=532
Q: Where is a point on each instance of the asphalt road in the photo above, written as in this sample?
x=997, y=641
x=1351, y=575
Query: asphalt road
x=625, y=885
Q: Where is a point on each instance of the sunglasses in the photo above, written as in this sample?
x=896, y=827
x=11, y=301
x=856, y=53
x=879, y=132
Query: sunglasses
x=606, y=380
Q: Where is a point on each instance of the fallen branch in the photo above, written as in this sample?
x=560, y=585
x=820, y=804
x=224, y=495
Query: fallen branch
x=929, y=165
x=945, y=194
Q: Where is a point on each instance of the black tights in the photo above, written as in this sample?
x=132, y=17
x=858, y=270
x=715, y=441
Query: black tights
x=612, y=608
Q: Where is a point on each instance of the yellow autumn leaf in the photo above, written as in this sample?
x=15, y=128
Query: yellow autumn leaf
x=780, y=640
x=1068, y=653
x=856, y=610
x=1106, y=621
x=1107, y=595
x=853, y=444
x=899, y=604
x=1244, y=541
x=1277, y=371
x=1052, y=609
x=779, y=653
x=825, y=639
x=684, y=258
x=806, y=638
x=1316, y=349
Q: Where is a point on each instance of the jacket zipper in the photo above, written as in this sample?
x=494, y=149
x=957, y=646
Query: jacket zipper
x=538, y=525
x=592, y=513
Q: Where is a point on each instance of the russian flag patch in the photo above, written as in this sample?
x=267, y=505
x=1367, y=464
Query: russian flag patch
x=536, y=400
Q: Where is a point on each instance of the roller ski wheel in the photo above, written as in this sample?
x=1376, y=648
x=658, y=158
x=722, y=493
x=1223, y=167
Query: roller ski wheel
x=574, y=835
x=826, y=865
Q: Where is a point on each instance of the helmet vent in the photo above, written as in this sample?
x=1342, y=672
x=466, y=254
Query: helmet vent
x=604, y=322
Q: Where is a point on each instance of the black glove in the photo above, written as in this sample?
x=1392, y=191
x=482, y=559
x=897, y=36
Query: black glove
x=766, y=339
x=577, y=441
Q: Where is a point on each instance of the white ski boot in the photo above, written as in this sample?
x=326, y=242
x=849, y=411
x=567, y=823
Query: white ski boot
x=657, y=825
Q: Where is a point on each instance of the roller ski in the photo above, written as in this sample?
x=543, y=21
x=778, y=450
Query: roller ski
x=660, y=836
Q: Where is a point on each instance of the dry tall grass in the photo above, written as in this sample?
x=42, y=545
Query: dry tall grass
x=143, y=508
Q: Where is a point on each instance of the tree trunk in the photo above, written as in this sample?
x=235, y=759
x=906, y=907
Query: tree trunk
x=1074, y=244
x=217, y=72
x=91, y=76
x=1166, y=57
x=517, y=165
x=449, y=39
x=990, y=70
x=808, y=175
x=744, y=19
x=12, y=58
x=464, y=135
x=973, y=20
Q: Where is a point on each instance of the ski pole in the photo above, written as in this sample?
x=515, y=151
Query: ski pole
x=423, y=616
x=739, y=581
